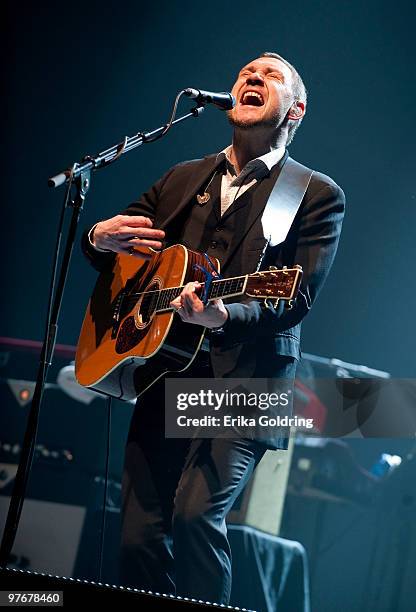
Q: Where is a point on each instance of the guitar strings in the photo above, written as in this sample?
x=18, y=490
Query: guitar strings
x=231, y=284
x=159, y=299
x=179, y=289
x=228, y=284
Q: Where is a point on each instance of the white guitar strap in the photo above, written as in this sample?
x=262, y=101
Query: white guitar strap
x=284, y=201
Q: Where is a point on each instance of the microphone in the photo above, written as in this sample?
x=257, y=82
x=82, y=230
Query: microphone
x=222, y=99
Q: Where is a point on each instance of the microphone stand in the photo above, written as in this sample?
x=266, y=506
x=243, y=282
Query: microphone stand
x=79, y=176
x=110, y=155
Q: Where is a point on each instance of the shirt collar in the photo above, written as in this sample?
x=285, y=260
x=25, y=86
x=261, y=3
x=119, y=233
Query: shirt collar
x=264, y=162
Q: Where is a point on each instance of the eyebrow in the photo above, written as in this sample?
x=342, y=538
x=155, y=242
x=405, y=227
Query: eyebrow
x=252, y=68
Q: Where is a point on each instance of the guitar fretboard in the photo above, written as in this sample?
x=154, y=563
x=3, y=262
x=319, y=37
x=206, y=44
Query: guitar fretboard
x=160, y=299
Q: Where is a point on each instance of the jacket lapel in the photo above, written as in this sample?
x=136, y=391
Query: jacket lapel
x=196, y=180
x=259, y=197
x=240, y=202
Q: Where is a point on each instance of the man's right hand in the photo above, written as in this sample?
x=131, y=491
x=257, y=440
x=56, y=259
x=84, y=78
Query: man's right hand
x=125, y=234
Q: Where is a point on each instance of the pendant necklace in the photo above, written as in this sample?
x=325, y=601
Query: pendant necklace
x=205, y=197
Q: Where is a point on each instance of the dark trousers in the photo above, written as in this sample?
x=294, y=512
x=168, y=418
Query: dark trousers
x=176, y=495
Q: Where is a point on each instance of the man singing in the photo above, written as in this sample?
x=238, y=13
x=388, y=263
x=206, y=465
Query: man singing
x=176, y=492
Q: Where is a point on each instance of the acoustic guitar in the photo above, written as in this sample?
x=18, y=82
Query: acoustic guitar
x=131, y=337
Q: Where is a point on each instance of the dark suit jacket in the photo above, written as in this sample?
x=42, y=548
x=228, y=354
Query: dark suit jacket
x=253, y=333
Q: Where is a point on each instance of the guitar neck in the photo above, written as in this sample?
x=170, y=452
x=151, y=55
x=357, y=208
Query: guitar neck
x=272, y=285
x=223, y=288
x=227, y=287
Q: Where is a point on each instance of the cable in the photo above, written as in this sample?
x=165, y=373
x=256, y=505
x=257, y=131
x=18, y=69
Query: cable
x=169, y=123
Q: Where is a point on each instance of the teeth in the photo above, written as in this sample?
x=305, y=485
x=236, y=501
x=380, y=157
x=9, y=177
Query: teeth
x=252, y=93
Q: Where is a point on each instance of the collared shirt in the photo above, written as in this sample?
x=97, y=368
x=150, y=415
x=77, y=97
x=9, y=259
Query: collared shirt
x=233, y=186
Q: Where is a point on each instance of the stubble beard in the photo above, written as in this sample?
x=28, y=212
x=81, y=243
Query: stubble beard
x=273, y=122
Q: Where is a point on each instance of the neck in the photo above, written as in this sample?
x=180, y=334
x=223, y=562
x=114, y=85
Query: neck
x=251, y=143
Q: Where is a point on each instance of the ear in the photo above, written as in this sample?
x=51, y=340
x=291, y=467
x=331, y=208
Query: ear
x=296, y=111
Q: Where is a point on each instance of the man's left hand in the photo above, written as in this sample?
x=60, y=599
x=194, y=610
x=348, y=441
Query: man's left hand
x=191, y=310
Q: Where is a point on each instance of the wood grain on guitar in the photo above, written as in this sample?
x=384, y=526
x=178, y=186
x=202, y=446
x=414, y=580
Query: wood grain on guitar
x=130, y=336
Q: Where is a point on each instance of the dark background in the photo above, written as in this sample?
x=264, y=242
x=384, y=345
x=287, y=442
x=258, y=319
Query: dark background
x=81, y=76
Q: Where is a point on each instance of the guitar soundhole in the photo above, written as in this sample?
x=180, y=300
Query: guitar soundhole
x=147, y=304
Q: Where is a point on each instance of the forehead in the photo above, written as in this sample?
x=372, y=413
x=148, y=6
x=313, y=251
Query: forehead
x=268, y=64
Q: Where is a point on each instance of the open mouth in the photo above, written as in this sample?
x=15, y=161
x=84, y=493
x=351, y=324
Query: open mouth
x=252, y=98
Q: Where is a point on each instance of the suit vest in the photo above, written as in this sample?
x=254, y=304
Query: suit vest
x=205, y=230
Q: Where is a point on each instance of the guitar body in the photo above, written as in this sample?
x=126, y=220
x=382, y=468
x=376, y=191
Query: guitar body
x=124, y=344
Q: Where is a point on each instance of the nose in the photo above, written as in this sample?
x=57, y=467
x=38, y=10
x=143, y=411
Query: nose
x=255, y=79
